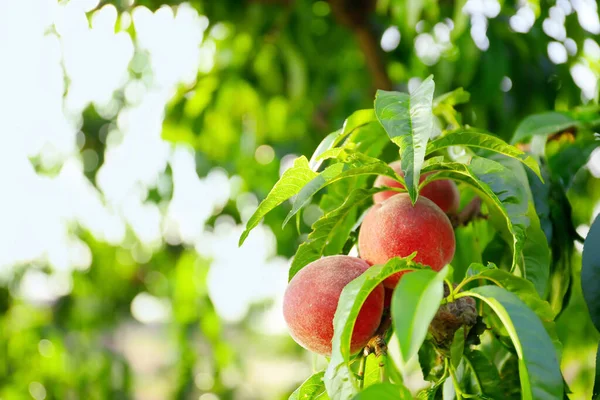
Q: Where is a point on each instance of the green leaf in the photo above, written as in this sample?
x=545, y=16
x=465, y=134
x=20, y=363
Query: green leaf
x=340, y=381
x=457, y=96
x=590, y=272
x=471, y=240
x=372, y=371
x=355, y=164
x=288, y=186
x=543, y=124
x=427, y=360
x=325, y=228
x=408, y=121
x=477, y=268
x=526, y=292
x=481, y=139
x=566, y=158
x=499, y=187
x=458, y=346
x=485, y=373
x=428, y=394
x=539, y=369
x=326, y=144
x=415, y=301
x=384, y=391
x=509, y=379
x=354, y=121
x=534, y=264
x=596, y=390
x=311, y=389
x=523, y=288
x=536, y=254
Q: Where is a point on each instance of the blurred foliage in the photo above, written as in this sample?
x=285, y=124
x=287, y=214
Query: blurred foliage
x=286, y=73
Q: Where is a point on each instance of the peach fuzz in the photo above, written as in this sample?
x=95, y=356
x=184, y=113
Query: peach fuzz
x=311, y=299
x=396, y=228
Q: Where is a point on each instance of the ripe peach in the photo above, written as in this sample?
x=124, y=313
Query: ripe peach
x=394, y=228
x=387, y=301
x=442, y=192
x=312, y=297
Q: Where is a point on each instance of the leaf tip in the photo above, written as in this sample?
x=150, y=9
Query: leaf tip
x=243, y=237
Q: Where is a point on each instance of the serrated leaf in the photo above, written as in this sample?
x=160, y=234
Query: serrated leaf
x=485, y=373
x=313, y=388
x=590, y=272
x=354, y=121
x=457, y=96
x=534, y=264
x=358, y=119
x=325, y=228
x=356, y=164
x=415, y=302
x=481, y=139
x=539, y=368
x=408, y=121
x=288, y=186
x=498, y=185
x=326, y=144
x=340, y=381
x=384, y=391
x=477, y=268
x=543, y=124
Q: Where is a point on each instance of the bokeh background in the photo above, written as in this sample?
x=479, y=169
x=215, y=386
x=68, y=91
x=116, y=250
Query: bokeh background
x=137, y=137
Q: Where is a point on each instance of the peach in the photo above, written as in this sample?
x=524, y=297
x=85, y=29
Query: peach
x=442, y=192
x=311, y=299
x=396, y=228
x=387, y=301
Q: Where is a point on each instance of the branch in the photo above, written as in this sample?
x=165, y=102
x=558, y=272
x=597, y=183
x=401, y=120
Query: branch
x=354, y=14
x=370, y=47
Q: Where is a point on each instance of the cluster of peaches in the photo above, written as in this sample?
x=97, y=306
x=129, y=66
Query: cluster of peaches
x=393, y=227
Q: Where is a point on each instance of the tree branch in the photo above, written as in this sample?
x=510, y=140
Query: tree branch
x=354, y=14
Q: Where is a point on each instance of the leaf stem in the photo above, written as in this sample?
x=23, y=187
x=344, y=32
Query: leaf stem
x=472, y=278
x=451, y=290
x=361, y=371
x=459, y=394
x=382, y=363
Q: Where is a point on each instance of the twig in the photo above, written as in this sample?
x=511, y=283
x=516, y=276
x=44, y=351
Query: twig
x=354, y=14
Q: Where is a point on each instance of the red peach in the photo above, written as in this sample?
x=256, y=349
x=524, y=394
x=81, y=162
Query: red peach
x=387, y=301
x=311, y=299
x=396, y=228
x=443, y=192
